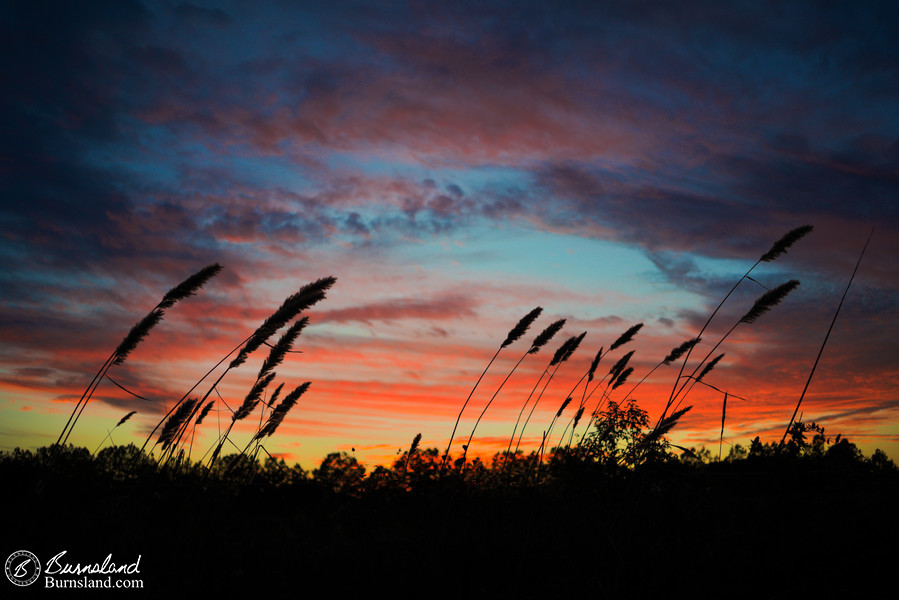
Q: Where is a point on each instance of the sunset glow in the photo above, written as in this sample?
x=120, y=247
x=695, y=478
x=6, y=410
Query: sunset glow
x=454, y=166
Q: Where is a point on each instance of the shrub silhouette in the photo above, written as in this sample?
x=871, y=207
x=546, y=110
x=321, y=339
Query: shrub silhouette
x=620, y=438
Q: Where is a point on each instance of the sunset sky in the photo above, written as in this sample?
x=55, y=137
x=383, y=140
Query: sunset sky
x=454, y=165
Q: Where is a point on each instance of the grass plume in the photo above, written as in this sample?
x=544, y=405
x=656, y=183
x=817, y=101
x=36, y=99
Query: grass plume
x=189, y=286
x=253, y=397
x=625, y=337
x=546, y=335
x=140, y=331
x=277, y=416
x=593, y=366
x=783, y=244
x=769, y=300
x=709, y=366
x=679, y=351
x=620, y=365
x=521, y=327
x=664, y=427
x=282, y=347
x=412, y=448
x=293, y=305
x=516, y=332
x=622, y=378
x=186, y=288
x=126, y=417
x=174, y=422
x=204, y=412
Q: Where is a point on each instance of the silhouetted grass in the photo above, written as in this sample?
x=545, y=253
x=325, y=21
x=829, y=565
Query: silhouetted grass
x=619, y=513
x=185, y=289
x=516, y=332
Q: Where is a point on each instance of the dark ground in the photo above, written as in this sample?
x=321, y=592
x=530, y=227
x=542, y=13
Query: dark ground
x=761, y=529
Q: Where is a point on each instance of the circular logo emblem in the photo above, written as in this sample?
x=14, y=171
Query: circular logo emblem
x=22, y=568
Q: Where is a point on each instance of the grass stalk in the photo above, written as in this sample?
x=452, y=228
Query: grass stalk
x=109, y=433
x=763, y=304
x=541, y=340
x=723, y=415
x=516, y=332
x=826, y=336
x=183, y=290
x=777, y=249
x=304, y=298
x=562, y=354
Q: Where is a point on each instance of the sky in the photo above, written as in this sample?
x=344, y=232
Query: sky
x=454, y=165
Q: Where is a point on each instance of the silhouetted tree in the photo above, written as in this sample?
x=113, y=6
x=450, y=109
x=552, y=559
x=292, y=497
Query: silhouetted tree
x=619, y=437
x=421, y=466
x=275, y=472
x=844, y=453
x=881, y=462
x=737, y=452
x=340, y=471
x=235, y=467
x=512, y=467
x=123, y=462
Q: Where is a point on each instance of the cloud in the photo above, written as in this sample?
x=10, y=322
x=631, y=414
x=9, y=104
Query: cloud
x=398, y=309
x=142, y=141
x=191, y=13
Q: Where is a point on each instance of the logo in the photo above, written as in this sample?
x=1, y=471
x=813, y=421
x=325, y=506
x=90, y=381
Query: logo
x=22, y=568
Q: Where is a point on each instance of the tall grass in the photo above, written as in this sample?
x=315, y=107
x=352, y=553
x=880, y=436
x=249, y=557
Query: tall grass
x=777, y=249
x=189, y=411
x=563, y=353
x=827, y=335
x=174, y=433
x=548, y=334
x=292, y=306
x=141, y=330
x=541, y=340
x=620, y=372
x=185, y=414
x=516, y=332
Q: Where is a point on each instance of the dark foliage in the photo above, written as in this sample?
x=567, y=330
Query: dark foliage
x=268, y=524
